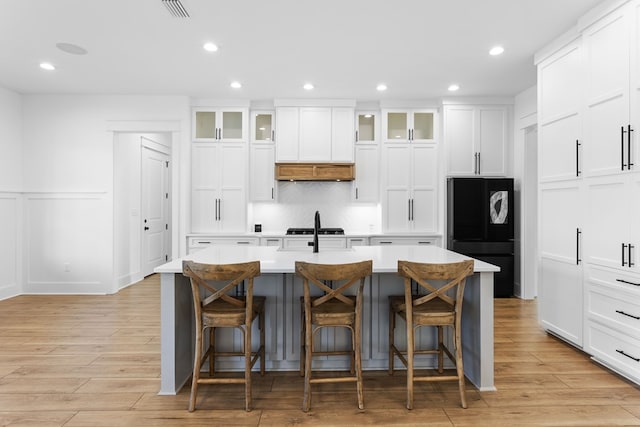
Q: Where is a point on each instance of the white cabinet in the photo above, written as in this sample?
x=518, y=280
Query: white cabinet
x=477, y=139
x=589, y=100
x=609, y=139
x=410, y=187
x=262, y=157
x=367, y=127
x=560, y=285
x=219, y=124
x=218, y=183
x=315, y=134
x=561, y=194
x=262, y=173
x=366, y=185
x=560, y=142
x=400, y=125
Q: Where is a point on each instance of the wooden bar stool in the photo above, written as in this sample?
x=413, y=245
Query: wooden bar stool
x=215, y=308
x=333, y=309
x=440, y=306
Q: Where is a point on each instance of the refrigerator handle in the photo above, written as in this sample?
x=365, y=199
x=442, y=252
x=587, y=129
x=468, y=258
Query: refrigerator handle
x=578, y=233
x=409, y=209
x=479, y=163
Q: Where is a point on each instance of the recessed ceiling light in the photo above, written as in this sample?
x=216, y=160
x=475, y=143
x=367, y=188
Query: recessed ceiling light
x=308, y=86
x=454, y=87
x=236, y=85
x=71, y=48
x=210, y=47
x=47, y=66
x=368, y=116
x=381, y=87
x=496, y=50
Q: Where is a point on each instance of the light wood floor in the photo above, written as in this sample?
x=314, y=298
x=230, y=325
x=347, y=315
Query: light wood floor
x=94, y=361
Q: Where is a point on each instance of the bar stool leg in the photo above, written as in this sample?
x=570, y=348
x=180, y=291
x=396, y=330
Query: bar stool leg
x=392, y=327
x=212, y=351
x=197, y=362
x=302, y=340
x=261, y=324
x=306, y=400
x=440, y=349
x=247, y=366
x=410, y=349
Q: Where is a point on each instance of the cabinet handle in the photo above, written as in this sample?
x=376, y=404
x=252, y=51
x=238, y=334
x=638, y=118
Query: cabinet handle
x=206, y=242
x=629, y=162
x=409, y=209
x=219, y=209
x=356, y=136
x=623, y=248
x=273, y=135
x=627, y=282
x=385, y=242
x=272, y=194
x=578, y=172
x=627, y=314
x=479, y=164
x=412, y=210
x=578, y=233
x=629, y=262
x=356, y=240
x=243, y=242
x=627, y=355
x=356, y=193
x=622, y=164
x=424, y=243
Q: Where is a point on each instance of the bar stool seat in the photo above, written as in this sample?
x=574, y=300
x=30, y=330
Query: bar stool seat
x=216, y=307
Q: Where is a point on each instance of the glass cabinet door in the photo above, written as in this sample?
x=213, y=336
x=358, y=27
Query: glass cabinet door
x=263, y=127
x=397, y=126
x=205, y=125
x=366, y=127
x=422, y=126
x=231, y=125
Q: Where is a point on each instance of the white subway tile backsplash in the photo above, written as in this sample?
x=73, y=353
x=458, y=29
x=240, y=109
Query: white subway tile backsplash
x=298, y=202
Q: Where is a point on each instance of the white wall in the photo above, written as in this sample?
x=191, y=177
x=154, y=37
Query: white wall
x=69, y=185
x=525, y=115
x=10, y=192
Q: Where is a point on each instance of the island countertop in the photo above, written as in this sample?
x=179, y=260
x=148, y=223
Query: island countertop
x=275, y=260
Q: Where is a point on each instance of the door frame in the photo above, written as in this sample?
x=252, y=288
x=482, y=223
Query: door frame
x=173, y=128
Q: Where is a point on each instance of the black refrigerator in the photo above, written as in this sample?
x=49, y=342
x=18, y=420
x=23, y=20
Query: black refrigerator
x=480, y=224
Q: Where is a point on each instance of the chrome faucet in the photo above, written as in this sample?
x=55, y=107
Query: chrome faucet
x=316, y=228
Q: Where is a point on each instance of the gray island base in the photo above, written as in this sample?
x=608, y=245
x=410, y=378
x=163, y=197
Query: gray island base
x=283, y=290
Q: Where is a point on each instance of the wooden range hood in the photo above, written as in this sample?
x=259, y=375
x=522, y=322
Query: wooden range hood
x=315, y=171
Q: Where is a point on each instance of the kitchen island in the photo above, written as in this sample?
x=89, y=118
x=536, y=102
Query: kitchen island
x=283, y=290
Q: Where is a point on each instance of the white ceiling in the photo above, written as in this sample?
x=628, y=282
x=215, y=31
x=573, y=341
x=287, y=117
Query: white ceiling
x=345, y=47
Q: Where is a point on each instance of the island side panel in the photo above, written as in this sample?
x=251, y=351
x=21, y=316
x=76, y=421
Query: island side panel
x=477, y=331
x=176, y=332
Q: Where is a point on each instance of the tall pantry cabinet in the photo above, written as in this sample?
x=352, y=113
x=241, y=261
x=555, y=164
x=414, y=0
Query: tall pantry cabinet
x=601, y=203
x=219, y=170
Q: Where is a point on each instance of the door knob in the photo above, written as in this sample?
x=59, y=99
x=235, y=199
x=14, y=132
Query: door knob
x=146, y=228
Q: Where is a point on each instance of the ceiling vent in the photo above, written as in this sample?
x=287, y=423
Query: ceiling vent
x=176, y=8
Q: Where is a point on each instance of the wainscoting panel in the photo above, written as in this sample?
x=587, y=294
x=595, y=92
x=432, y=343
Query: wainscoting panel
x=68, y=243
x=10, y=208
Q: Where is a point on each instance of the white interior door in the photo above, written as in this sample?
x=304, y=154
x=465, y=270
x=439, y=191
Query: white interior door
x=155, y=209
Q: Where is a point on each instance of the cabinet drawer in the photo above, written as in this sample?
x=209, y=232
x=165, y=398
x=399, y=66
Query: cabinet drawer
x=195, y=244
x=302, y=243
x=615, y=280
x=614, y=349
x=404, y=241
x=615, y=309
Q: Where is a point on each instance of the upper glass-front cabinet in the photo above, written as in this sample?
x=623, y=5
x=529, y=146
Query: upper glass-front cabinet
x=223, y=125
x=367, y=125
x=409, y=125
x=262, y=126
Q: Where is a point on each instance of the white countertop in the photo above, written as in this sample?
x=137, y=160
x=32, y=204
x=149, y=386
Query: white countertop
x=275, y=260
